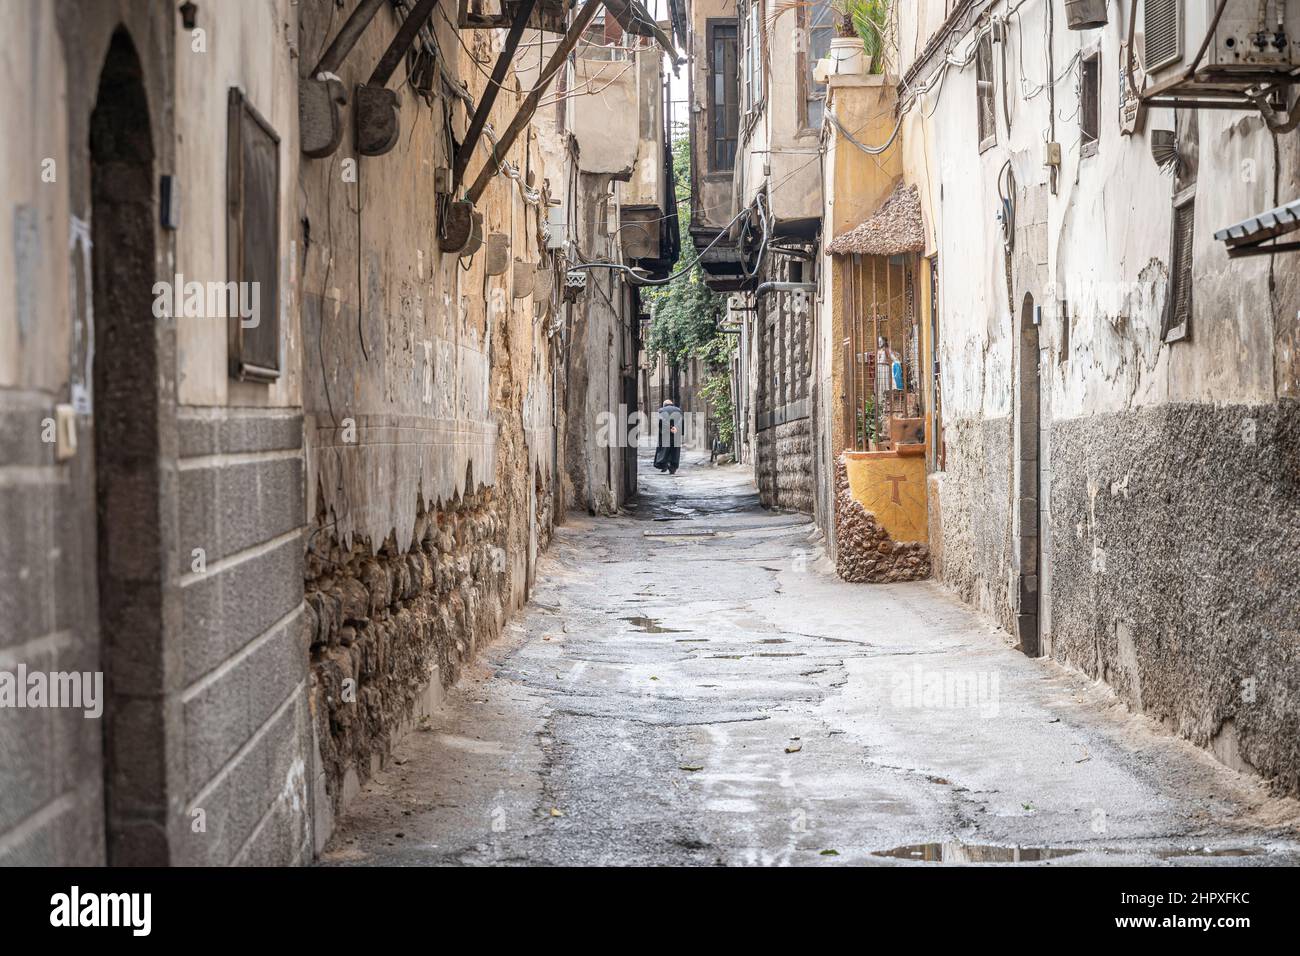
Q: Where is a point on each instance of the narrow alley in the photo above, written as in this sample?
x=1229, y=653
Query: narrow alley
x=650, y=433
x=691, y=685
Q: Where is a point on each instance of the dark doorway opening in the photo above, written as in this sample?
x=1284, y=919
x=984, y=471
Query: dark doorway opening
x=1027, y=472
x=126, y=388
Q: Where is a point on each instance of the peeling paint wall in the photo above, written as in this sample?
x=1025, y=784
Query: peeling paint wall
x=712, y=201
x=1092, y=248
x=427, y=394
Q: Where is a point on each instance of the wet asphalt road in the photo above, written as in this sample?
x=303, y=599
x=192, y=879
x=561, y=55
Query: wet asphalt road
x=692, y=698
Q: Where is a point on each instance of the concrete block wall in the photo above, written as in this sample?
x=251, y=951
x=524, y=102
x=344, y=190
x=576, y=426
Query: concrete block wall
x=242, y=698
x=51, y=781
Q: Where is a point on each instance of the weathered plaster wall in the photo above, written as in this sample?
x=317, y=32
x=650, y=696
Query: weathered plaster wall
x=891, y=487
x=241, y=475
x=1177, y=552
x=1098, y=239
x=866, y=551
x=428, y=399
x=712, y=201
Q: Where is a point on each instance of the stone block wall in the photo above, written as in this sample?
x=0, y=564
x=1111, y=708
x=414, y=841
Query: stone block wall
x=51, y=783
x=243, y=743
x=783, y=466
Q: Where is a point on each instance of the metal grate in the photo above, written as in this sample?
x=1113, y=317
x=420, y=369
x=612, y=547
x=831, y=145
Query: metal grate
x=880, y=326
x=984, y=87
x=1179, y=310
x=1162, y=25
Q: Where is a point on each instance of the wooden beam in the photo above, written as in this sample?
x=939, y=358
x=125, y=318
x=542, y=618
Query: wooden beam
x=484, y=108
x=402, y=41
x=347, y=37
x=529, y=107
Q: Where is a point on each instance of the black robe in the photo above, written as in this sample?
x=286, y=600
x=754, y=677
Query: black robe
x=668, y=454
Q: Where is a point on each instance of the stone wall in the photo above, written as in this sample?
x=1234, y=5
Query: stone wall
x=428, y=396
x=1176, y=537
x=783, y=466
x=865, y=553
x=391, y=628
x=244, y=735
x=970, y=508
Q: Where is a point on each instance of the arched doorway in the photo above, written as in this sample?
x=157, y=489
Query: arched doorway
x=127, y=474
x=1027, y=438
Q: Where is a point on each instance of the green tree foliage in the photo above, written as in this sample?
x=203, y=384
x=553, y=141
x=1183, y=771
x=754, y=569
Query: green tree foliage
x=686, y=313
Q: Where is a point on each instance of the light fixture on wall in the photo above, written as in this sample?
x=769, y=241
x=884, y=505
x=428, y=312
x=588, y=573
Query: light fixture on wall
x=1085, y=14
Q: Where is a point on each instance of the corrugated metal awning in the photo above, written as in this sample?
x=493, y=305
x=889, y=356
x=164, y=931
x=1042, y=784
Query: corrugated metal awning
x=1247, y=237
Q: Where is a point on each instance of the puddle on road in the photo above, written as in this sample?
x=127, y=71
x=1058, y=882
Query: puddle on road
x=650, y=625
x=990, y=853
x=975, y=853
x=1208, y=851
x=774, y=640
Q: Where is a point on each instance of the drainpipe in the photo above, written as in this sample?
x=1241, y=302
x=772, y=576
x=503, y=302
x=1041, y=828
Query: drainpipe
x=767, y=287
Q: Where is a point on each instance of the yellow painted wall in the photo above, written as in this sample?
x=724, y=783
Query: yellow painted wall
x=893, y=489
x=859, y=183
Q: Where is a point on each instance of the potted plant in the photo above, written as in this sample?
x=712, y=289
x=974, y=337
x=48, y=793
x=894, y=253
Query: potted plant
x=859, y=46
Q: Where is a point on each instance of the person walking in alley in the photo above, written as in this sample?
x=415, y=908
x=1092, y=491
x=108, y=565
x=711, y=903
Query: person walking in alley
x=668, y=454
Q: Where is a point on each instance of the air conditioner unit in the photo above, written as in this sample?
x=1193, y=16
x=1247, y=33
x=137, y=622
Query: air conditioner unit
x=1255, y=43
x=1247, y=60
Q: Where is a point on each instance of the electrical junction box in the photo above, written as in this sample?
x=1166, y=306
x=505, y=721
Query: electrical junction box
x=557, y=227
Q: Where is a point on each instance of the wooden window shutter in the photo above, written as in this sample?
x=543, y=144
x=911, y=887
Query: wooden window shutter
x=1177, y=322
x=253, y=242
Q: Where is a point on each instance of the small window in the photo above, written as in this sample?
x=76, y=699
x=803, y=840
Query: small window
x=1090, y=103
x=820, y=31
x=754, y=58
x=1177, y=323
x=1063, y=355
x=724, y=110
x=984, y=87
x=252, y=242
